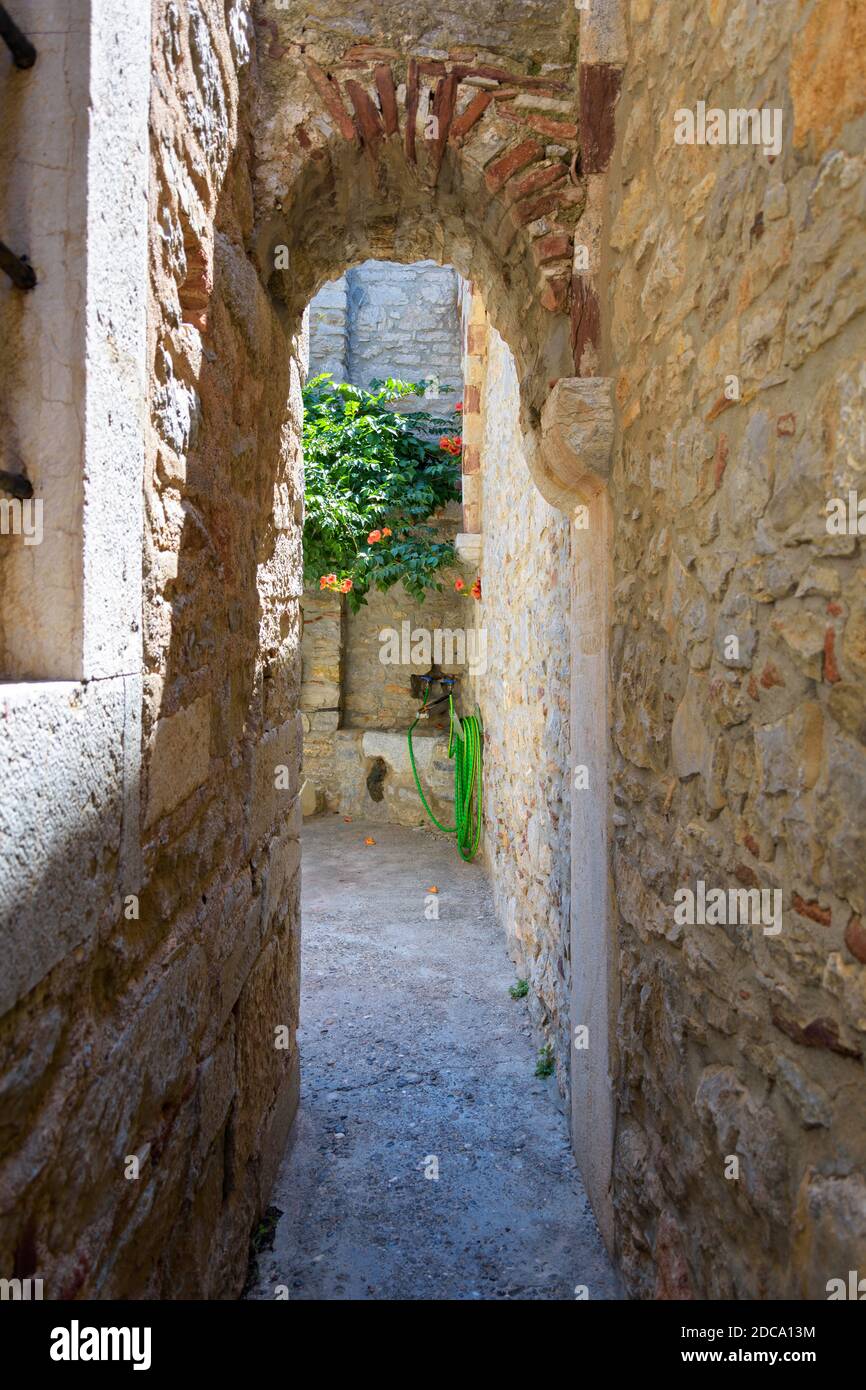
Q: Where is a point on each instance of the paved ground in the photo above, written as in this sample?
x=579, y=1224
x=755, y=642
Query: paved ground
x=412, y=1051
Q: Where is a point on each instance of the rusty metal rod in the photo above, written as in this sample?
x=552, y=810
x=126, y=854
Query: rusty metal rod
x=22, y=50
x=15, y=484
x=18, y=268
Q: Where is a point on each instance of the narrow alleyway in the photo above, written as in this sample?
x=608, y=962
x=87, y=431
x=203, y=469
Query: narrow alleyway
x=413, y=1051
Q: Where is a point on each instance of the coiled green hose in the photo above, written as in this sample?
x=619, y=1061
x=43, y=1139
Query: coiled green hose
x=464, y=746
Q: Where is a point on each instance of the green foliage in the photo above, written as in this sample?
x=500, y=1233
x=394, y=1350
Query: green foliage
x=546, y=1064
x=263, y=1233
x=519, y=990
x=367, y=467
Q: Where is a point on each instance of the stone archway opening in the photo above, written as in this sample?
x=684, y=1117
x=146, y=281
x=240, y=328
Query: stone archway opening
x=543, y=440
x=390, y=902
x=369, y=655
x=404, y=159
x=463, y=161
x=150, y=809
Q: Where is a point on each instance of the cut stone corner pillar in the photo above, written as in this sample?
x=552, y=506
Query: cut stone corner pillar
x=603, y=34
x=468, y=546
x=573, y=450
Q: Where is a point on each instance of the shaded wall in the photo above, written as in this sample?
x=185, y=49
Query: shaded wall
x=737, y=339
x=524, y=700
x=149, y=1068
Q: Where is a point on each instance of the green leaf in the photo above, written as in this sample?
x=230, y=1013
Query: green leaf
x=368, y=466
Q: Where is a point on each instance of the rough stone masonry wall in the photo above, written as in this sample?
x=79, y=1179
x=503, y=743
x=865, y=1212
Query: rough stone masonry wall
x=748, y=770
x=348, y=695
x=381, y=319
x=403, y=323
x=155, y=1040
x=329, y=330
x=524, y=697
x=217, y=945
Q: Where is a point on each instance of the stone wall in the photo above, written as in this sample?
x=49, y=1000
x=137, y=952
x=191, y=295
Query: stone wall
x=381, y=319
x=219, y=900
x=329, y=330
x=377, y=695
x=149, y=1069
x=524, y=701
x=736, y=335
x=384, y=320
x=351, y=700
x=70, y=794
x=403, y=323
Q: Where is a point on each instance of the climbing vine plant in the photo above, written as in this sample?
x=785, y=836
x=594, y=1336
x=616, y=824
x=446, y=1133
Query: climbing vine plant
x=373, y=477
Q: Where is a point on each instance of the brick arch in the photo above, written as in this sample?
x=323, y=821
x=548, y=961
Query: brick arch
x=515, y=175
x=464, y=162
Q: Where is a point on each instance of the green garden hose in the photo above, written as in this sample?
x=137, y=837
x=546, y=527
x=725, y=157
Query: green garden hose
x=464, y=746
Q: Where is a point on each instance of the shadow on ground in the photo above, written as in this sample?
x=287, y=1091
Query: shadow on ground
x=412, y=1050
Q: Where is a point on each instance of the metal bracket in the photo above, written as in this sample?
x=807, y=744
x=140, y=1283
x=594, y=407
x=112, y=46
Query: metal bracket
x=22, y=50
x=15, y=484
x=18, y=268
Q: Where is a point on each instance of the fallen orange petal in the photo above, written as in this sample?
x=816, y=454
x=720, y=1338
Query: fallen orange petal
x=434, y=889
x=369, y=840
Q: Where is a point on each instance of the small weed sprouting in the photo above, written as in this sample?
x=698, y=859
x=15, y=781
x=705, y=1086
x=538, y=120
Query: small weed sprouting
x=546, y=1064
x=261, y=1238
x=519, y=990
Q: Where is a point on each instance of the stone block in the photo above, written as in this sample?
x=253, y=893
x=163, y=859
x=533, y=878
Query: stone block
x=574, y=457
x=690, y=740
x=278, y=1127
x=790, y=752
x=242, y=935
x=323, y=721
x=61, y=807
x=276, y=778
x=268, y=1001
x=216, y=1089
x=320, y=694
x=309, y=799
x=829, y=1232
x=179, y=759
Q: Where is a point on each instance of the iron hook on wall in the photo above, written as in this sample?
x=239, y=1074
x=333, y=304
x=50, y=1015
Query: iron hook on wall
x=18, y=268
x=15, y=484
x=22, y=50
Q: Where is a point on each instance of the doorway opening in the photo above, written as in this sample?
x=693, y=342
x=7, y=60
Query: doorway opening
x=435, y=1026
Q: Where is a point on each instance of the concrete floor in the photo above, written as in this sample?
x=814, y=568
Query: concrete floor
x=412, y=1049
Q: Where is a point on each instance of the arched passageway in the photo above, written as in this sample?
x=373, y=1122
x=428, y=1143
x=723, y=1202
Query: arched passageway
x=506, y=1215
x=348, y=167
x=480, y=166
x=686, y=318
